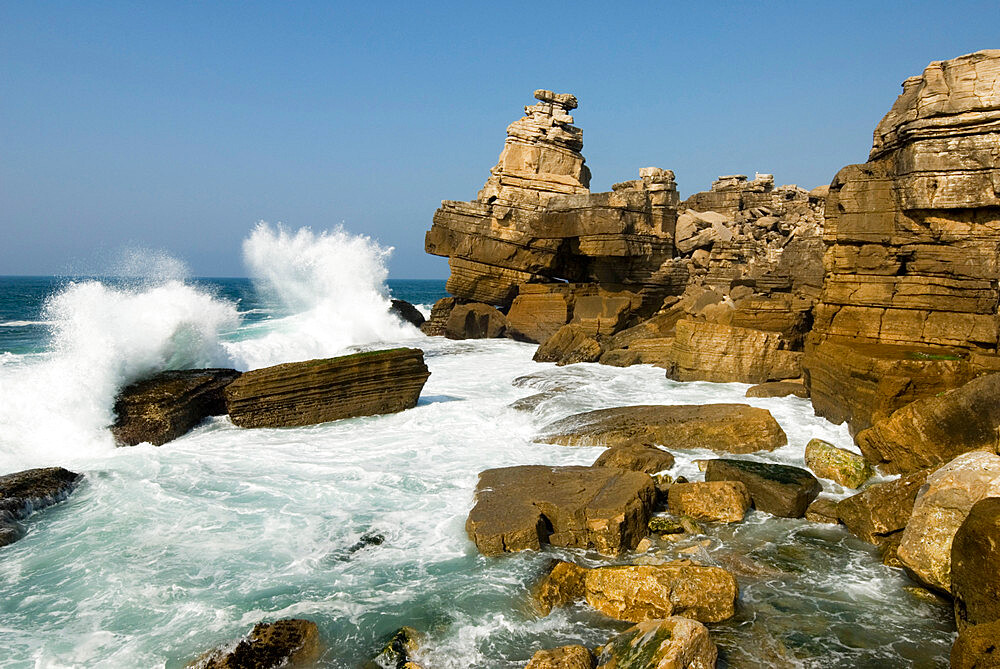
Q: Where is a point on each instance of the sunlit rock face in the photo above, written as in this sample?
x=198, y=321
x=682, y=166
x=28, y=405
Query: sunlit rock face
x=535, y=220
x=912, y=235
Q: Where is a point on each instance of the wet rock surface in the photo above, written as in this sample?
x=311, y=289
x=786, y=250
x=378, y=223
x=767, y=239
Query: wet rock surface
x=780, y=490
x=718, y=501
x=636, y=457
x=290, y=642
x=167, y=405
x=779, y=389
x=316, y=391
x=565, y=657
x=881, y=508
x=837, y=464
x=407, y=312
x=23, y=493
x=669, y=643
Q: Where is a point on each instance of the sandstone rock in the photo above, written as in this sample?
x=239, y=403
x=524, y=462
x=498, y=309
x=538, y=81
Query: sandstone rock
x=951, y=492
x=474, y=321
x=23, y=493
x=561, y=586
x=407, y=312
x=977, y=647
x=734, y=428
x=539, y=310
x=719, y=501
x=881, y=508
x=660, y=326
x=975, y=565
x=434, y=326
x=823, y=510
x=672, y=643
x=269, y=645
x=398, y=651
x=778, y=389
x=934, y=430
x=776, y=489
x=167, y=405
x=565, y=657
x=316, y=391
x=567, y=346
x=888, y=549
x=722, y=353
x=837, y=464
x=667, y=525
x=637, y=593
x=636, y=457
x=520, y=508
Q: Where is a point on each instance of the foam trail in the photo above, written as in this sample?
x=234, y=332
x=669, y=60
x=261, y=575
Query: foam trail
x=332, y=287
x=56, y=407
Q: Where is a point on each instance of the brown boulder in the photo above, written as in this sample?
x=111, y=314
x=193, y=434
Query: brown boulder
x=952, y=490
x=977, y=647
x=561, y=586
x=570, y=344
x=23, y=493
x=778, y=389
x=881, y=508
x=734, y=428
x=317, y=391
x=398, y=651
x=672, y=643
x=719, y=501
x=269, y=645
x=934, y=430
x=776, y=489
x=521, y=508
x=975, y=565
x=636, y=457
x=165, y=406
x=837, y=464
x=474, y=321
x=823, y=510
x=723, y=353
x=565, y=657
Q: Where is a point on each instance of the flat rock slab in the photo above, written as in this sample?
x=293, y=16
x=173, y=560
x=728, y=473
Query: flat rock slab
x=23, y=493
x=521, y=508
x=317, y=391
x=637, y=457
x=881, y=508
x=732, y=428
x=778, y=389
x=780, y=490
x=288, y=642
x=165, y=406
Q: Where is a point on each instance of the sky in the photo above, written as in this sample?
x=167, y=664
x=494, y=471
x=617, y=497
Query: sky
x=176, y=126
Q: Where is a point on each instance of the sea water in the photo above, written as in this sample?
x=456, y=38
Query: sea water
x=163, y=553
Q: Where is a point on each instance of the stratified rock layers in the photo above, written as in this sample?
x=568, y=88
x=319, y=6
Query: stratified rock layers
x=316, y=391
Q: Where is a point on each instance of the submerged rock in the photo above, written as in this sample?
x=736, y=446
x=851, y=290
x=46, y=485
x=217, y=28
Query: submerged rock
x=776, y=489
x=25, y=492
x=165, y=406
x=719, y=501
x=975, y=565
x=317, y=391
x=734, y=428
x=837, y=464
x=671, y=643
x=636, y=457
x=407, y=312
x=561, y=586
x=289, y=642
x=881, y=508
x=521, y=508
x=566, y=657
x=398, y=651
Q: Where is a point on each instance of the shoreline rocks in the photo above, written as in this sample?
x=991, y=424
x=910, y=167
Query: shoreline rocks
x=671, y=642
x=267, y=646
x=780, y=490
x=23, y=493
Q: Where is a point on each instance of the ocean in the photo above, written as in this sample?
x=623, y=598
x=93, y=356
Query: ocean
x=165, y=552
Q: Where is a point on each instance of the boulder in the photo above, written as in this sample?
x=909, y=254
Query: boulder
x=522, y=508
x=779, y=389
x=723, y=353
x=167, y=405
x=718, y=501
x=837, y=464
x=561, y=586
x=317, y=391
x=934, y=430
x=407, y=313
x=434, y=326
x=565, y=657
x=672, y=643
x=474, y=321
x=23, y=493
x=570, y=344
x=952, y=490
x=636, y=457
x=881, y=508
x=977, y=647
x=780, y=490
x=398, y=651
x=975, y=565
x=823, y=510
x=269, y=645
x=733, y=428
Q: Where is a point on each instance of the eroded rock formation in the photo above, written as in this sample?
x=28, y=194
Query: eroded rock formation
x=23, y=493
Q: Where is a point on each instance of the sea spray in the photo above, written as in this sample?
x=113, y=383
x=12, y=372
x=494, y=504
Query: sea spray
x=331, y=288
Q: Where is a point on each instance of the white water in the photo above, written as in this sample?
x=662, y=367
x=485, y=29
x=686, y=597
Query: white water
x=165, y=552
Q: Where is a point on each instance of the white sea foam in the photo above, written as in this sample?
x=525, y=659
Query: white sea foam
x=22, y=324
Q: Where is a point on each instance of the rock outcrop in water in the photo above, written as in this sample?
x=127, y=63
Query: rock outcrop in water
x=317, y=391
x=780, y=490
x=912, y=269
x=668, y=643
x=23, y=493
x=161, y=408
x=289, y=642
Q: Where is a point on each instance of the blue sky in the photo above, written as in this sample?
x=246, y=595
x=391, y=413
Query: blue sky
x=178, y=125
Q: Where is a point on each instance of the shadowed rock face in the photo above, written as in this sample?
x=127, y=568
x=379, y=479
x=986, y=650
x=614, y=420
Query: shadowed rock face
x=733, y=428
x=912, y=234
x=165, y=406
x=881, y=509
x=282, y=643
x=316, y=391
x=975, y=565
x=23, y=493
x=776, y=489
x=521, y=508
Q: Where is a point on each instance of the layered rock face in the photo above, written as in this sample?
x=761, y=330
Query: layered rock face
x=317, y=391
x=913, y=233
x=535, y=220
